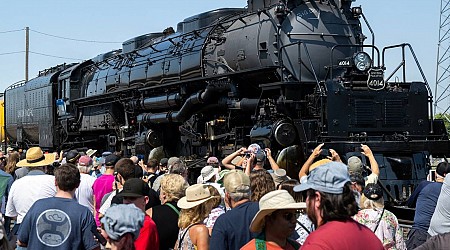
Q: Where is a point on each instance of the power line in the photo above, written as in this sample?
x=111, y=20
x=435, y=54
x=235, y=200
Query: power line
x=10, y=31
x=9, y=53
x=71, y=39
x=42, y=54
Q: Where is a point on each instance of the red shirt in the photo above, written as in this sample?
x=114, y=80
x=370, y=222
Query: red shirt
x=341, y=235
x=148, y=236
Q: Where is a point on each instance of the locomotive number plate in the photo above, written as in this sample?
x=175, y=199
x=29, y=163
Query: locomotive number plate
x=375, y=81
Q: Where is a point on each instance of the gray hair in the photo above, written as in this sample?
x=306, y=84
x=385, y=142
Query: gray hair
x=238, y=196
x=178, y=168
x=84, y=169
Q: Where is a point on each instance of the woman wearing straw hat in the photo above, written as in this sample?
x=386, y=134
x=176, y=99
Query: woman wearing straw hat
x=195, y=207
x=275, y=221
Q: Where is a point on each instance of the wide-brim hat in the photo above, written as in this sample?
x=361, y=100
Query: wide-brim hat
x=195, y=195
x=90, y=152
x=270, y=202
x=208, y=172
x=36, y=158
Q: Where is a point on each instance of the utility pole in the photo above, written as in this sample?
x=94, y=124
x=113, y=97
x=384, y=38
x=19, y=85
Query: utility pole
x=27, y=51
x=442, y=91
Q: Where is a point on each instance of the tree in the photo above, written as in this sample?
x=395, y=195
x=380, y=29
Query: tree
x=446, y=118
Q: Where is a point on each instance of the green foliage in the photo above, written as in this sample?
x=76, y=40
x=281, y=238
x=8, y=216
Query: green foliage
x=446, y=118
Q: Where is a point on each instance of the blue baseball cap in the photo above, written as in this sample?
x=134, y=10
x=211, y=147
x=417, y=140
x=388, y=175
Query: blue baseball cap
x=329, y=178
x=121, y=219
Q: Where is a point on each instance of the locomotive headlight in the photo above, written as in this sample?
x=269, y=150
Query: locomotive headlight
x=362, y=61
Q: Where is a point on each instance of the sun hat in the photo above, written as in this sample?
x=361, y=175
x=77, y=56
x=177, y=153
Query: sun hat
x=121, y=219
x=90, y=152
x=354, y=164
x=195, y=195
x=207, y=173
x=236, y=181
x=134, y=187
x=270, y=202
x=329, y=178
x=373, y=191
x=36, y=158
x=279, y=175
x=85, y=161
x=212, y=160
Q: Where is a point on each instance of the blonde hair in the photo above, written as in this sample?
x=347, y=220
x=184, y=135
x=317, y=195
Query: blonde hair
x=173, y=186
x=366, y=203
x=195, y=214
x=217, y=200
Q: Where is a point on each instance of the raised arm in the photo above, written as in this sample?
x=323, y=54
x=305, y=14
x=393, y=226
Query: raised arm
x=226, y=162
x=305, y=168
x=373, y=163
x=273, y=163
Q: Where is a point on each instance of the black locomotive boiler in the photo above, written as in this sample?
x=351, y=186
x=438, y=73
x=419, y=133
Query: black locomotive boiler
x=286, y=74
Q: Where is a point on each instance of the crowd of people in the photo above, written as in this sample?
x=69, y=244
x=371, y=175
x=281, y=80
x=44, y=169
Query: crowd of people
x=102, y=200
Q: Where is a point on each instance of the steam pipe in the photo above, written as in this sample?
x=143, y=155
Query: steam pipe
x=159, y=102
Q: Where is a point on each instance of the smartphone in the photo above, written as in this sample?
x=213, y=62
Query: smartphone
x=98, y=235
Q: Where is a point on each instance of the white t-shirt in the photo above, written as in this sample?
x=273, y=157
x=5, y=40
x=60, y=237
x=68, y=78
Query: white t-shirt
x=108, y=201
x=26, y=190
x=84, y=193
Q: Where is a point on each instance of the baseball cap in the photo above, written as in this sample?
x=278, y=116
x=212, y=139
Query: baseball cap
x=72, y=156
x=329, y=178
x=236, y=181
x=163, y=161
x=134, y=187
x=121, y=219
x=373, y=191
x=212, y=160
x=111, y=160
x=354, y=164
x=260, y=156
x=442, y=168
x=85, y=161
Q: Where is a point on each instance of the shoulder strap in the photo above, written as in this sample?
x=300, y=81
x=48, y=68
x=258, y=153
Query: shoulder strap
x=173, y=207
x=379, y=220
x=184, y=234
x=303, y=226
x=293, y=243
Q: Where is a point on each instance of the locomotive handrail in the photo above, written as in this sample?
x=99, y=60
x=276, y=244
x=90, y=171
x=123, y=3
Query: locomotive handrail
x=403, y=66
x=16, y=84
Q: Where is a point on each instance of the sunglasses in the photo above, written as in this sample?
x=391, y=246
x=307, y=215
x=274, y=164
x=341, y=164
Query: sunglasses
x=290, y=216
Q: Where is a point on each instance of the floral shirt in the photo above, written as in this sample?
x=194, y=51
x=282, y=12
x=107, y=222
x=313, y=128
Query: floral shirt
x=212, y=217
x=388, y=231
x=301, y=232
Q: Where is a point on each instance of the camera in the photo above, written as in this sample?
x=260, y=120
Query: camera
x=325, y=153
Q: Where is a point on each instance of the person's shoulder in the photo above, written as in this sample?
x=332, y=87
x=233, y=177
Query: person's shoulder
x=251, y=245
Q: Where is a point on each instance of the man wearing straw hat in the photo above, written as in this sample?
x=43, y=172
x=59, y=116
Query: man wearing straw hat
x=32, y=187
x=275, y=222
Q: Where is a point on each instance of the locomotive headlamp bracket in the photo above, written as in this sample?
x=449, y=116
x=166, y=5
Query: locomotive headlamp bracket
x=356, y=11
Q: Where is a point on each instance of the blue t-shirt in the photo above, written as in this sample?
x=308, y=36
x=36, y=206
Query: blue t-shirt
x=426, y=203
x=57, y=223
x=232, y=229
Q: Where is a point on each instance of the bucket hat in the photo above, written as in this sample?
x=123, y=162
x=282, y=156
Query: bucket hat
x=207, y=173
x=36, y=158
x=270, y=202
x=279, y=175
x=195, y=195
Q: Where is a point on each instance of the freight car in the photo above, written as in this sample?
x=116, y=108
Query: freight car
x=286, y=74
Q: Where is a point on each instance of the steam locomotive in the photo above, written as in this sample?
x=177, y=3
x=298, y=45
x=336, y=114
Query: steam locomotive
x=288, y=75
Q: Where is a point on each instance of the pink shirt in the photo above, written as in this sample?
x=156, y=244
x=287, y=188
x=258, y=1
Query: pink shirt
x=102, y=185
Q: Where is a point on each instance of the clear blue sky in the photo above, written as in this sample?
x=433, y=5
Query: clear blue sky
x=414, y=22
